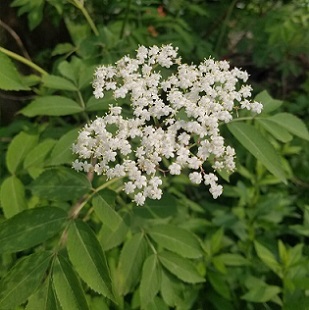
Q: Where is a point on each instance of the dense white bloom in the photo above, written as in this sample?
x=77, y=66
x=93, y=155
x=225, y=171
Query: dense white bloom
x=171, y=123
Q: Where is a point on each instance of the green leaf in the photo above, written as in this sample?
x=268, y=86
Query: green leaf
x=98, y=303
x=151, y=280
x=166, y=207
x=68, y=70
x=177, y=240
x=295, y=255
x=181, y=267
x=157, y=304
x=291, y=123
x=34, y=10
x=267, y=257
x=44, y=298
x=219, y=264
x=231, y=259
x=130, y=263
x=67, y=286
x=37, y=155
x=63, y=48
x=31, y=80
x=283, y=253
x=94, y=104
x=18, y=149
x=10, y=79
x=269, y=104
x=62, y=152
x=12, y=196
x=279, y=132
x=88, y=259
x=105, y=212
x=77, y=71
x=23, y=279
x=30, y=227
x=219, y=284
x=290, y=257
x=214, y=244
x=52, y=106
x=298, y=298
x=262, y=293
x=60, y=184
x=259, y=147
x=114, y=229
x=58, y=82
x=110, y=238
x=170, y=289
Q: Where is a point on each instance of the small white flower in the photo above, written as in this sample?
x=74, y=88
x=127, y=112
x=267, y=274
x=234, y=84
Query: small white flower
x=216, y=190
x=139, y=198
x=194, y=163
x=195, y=177
x=175, y=169
x=256, y=107
x=210, y=179
x=129, y=187
x=78, y=165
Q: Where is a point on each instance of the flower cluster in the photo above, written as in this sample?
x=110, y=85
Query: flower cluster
x=173, y=124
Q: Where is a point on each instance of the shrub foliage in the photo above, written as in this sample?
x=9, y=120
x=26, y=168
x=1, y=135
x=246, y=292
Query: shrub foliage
x=73, y=240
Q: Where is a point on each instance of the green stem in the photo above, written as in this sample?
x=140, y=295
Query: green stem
x=23, y=60
x=84, y=200
x=81, y=7
x=81, y=99
x=106, y=184
x=223, y=28
x=239, y=119
x=125, y=19
x=151, y=245
x=90, y=21
x=82, y=104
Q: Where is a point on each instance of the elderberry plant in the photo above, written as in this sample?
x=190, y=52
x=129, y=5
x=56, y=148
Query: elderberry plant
x=173, y=123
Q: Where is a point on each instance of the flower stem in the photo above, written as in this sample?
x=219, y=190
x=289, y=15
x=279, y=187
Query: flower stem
x=90, y=21
x=247, y=118
x=23, y=60
x=84, y=200
x=106, y=184
x=80, y=6
x=223, y=28
x=16, y=38
x=125, y=19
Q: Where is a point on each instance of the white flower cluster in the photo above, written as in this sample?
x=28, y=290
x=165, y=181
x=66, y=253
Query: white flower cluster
x=174, y=124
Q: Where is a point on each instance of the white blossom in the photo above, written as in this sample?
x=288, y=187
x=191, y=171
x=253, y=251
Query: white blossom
x=195, y=177
x=173, y=124
x=174, y=169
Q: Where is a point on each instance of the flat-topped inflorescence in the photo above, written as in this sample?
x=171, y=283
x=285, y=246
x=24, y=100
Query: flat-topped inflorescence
x=171, y=126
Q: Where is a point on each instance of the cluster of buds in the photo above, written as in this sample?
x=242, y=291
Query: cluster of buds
x=169, y=123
